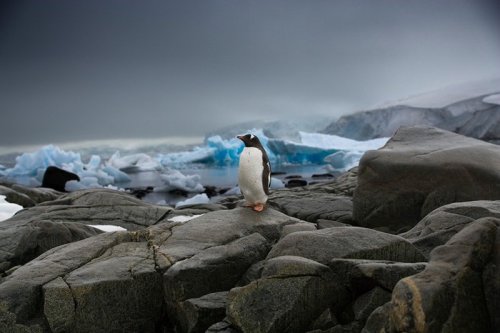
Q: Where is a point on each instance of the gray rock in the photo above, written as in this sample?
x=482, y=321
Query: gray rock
x=22, y=241
x=35, y=230
x=326, y=320
x=311, y=206
x=222, y=327
x=59, y=305
x=448, y=296
x=38, y=194
x=198, y=314
x=16, y=197
x=20, y=292
x=368, y=302
x=219, y=267
x=419, y=170
x=441, y=224
x=118, y=291
x=292, y=293
x=378, y=320
x=346, y=242
x=362, y=275
x=304, y=226
x=491, y=283
x=219, y=228
x=324, y=224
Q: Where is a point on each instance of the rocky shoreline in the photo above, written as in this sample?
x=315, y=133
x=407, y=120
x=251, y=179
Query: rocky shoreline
x=407, y=242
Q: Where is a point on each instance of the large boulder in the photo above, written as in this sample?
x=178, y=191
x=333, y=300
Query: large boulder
x=292, y=292
x=441, y=224
x=33, y=231
x=118, y=291
x=419, y=170
x=448, y=296
x=346, y=242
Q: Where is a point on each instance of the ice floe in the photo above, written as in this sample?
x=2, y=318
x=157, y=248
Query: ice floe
x=198, y=199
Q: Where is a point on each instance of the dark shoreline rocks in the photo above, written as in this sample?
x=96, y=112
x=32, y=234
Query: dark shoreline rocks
x=305, y=264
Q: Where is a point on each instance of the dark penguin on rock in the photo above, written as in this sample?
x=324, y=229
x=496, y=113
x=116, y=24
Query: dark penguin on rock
x=56, y=178
x=254, y=172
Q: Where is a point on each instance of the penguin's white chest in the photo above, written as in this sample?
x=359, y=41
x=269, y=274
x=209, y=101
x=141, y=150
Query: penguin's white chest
x=250, y=176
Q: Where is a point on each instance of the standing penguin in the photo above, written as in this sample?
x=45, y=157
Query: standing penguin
x=254, y=172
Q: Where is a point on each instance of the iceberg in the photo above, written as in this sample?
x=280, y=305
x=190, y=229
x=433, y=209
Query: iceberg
x=175, y=180
x=30, y=168
x=133, y=163
x=197, y=155
x=7, y=209
x=198, y=199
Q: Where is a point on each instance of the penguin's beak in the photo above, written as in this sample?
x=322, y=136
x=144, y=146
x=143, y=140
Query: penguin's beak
x=240, y=137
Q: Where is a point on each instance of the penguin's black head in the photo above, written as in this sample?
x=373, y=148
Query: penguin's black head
x=250, y=140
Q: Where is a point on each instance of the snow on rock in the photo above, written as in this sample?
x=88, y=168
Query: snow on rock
x=107, y=227
x=183, y=218
x=133, y=163
x=176, y=180
x=492, y=99
x=198, y=199
x=7, y=209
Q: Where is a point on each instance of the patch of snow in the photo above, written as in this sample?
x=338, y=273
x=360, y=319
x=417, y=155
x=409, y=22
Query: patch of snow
x=183, y=218
x=492, y=99
x=196, y=200
x=7, y=209
x=107, y=227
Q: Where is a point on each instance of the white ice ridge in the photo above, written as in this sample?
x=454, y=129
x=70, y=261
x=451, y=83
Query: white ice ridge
x=175, y=180
x=492, y=99
x=107, y=227
x=452, y=94
x=7, y=209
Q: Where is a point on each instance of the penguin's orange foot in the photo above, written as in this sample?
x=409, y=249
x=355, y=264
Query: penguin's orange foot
x=258, y=207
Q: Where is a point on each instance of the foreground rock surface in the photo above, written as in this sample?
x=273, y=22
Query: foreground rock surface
x=448, y=296
x=33, y=231
x=419, y=170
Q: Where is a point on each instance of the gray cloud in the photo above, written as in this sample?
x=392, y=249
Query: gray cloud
x=74, y=70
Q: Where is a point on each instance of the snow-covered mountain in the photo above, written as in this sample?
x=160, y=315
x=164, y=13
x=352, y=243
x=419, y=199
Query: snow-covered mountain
x=471, y=109
x=283, y=129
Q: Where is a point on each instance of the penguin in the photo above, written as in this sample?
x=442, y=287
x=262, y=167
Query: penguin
x=254, y=172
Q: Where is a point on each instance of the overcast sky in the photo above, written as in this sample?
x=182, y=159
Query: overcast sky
x=98, y=69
